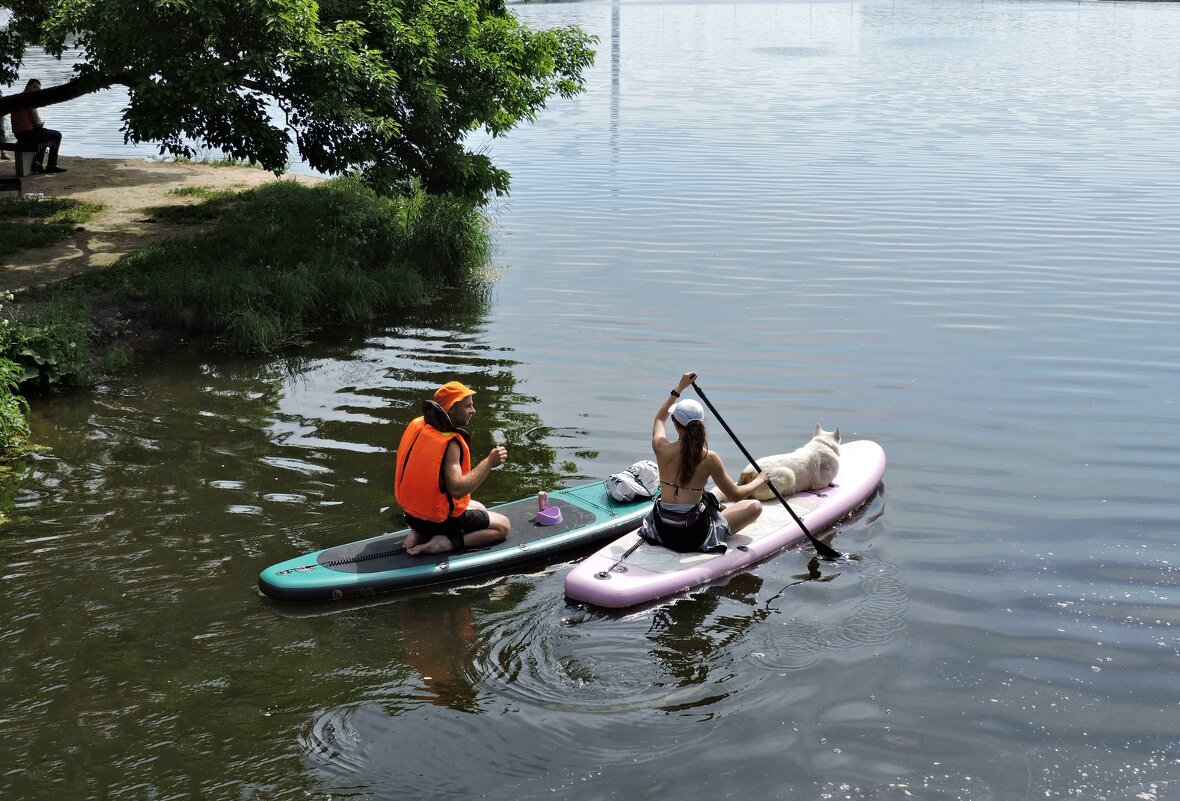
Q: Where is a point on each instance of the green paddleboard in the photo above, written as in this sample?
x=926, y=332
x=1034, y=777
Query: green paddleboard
x=589, y=517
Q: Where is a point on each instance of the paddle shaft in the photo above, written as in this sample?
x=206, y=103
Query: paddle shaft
x=826, y=551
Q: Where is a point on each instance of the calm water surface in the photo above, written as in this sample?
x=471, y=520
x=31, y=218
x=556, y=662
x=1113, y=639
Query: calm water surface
x=946, y=226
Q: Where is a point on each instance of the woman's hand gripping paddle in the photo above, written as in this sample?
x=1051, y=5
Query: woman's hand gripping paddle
x=826, y=551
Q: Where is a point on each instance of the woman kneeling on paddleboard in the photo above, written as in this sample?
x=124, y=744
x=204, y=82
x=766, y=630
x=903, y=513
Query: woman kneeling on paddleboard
x=686, y=518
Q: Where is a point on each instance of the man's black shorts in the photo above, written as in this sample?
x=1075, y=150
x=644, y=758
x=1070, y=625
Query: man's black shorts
x=453, y=528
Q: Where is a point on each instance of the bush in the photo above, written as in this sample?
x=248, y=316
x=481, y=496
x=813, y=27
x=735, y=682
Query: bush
x=14, y=409
x=287, y=258
x=51, y=347
x=47, y=349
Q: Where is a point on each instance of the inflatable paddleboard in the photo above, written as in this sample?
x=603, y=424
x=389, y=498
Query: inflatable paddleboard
x=630, y=571
x=588, y=517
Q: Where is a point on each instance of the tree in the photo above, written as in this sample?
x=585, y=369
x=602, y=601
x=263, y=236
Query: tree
x=390, y=87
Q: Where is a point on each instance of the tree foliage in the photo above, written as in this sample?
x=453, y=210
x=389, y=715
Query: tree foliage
x=394, y=88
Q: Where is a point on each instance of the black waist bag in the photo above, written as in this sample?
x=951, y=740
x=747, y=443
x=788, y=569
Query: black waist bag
x=692, y=516
x=678, y=519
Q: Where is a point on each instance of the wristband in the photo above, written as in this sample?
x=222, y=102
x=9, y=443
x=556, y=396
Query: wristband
x=675, y=394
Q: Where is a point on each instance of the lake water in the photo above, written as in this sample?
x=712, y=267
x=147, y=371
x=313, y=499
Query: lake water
x=950, y=227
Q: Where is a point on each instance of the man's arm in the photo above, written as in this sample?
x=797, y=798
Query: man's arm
x=459, y=484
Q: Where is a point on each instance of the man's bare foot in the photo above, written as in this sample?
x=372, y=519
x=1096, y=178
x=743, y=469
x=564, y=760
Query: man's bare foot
x=436, y=544
x=412, y=539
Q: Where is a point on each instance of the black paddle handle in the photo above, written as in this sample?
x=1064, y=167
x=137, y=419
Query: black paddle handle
x=826, y=551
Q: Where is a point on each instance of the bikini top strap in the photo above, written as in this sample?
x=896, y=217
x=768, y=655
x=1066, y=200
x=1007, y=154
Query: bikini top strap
x=677, y=487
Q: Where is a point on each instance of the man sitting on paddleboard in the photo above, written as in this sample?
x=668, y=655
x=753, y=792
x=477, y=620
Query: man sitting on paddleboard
x=686, y=518
x=434, y=479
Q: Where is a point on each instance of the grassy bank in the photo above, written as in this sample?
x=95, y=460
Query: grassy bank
x=262, y=269
x=28, y=223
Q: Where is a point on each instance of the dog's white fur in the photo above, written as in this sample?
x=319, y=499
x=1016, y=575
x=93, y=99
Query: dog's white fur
x=811, y=467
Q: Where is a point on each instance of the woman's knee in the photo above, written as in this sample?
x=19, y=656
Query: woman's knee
x=751, y=509
x=743, y=513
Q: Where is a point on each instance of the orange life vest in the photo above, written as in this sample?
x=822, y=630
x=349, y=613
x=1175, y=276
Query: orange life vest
x=418, y=482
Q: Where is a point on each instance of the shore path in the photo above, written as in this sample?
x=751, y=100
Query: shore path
x=128, y=189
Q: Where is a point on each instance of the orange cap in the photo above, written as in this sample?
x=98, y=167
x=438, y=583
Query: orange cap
x=451, y=393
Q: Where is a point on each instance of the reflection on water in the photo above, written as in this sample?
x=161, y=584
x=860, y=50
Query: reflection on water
x=135, y=541
x=438, y=632
x=932, y=223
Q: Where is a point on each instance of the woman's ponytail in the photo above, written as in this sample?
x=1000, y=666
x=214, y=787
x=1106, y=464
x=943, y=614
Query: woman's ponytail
x=693, y=446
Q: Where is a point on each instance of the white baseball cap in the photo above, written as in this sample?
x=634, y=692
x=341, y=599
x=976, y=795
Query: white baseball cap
x=687, y=410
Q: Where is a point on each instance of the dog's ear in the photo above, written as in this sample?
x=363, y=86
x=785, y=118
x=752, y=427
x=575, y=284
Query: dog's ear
x=836, y=433
x=817, y=430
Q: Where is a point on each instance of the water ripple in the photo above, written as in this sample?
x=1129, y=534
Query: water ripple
x=332, y=741
x=553, y=661
x=876, y=617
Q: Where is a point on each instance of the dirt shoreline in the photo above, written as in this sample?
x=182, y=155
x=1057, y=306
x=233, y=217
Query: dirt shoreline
x=128, y=189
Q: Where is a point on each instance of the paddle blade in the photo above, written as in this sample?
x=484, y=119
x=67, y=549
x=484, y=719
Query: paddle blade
x=824, y=551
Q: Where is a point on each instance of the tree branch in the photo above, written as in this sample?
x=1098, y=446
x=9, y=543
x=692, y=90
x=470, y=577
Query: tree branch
x=62, y=93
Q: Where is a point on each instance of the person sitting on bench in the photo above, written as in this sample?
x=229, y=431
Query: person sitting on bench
x=27, y=126
x=3, y=136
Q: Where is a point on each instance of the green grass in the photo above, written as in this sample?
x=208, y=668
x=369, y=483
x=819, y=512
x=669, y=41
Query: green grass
x=203, y=192
x=218, y=203
x=212, y=161
x=285, y=259
x=28, y=224
x=118, y=358
x=51, y=209
x=15, y=237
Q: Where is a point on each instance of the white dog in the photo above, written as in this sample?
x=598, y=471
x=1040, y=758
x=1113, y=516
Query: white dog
x=811, y=467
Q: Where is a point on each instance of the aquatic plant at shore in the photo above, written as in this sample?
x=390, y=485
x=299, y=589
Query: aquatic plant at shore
x=14, y=409
x=46, y=349
x=14, y=423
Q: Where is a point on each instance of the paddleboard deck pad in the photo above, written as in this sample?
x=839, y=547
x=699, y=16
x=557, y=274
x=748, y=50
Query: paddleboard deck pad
x=589, y=516
x=629, y=571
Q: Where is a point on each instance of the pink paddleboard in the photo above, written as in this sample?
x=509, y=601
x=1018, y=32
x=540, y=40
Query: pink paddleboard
x=629, y=572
